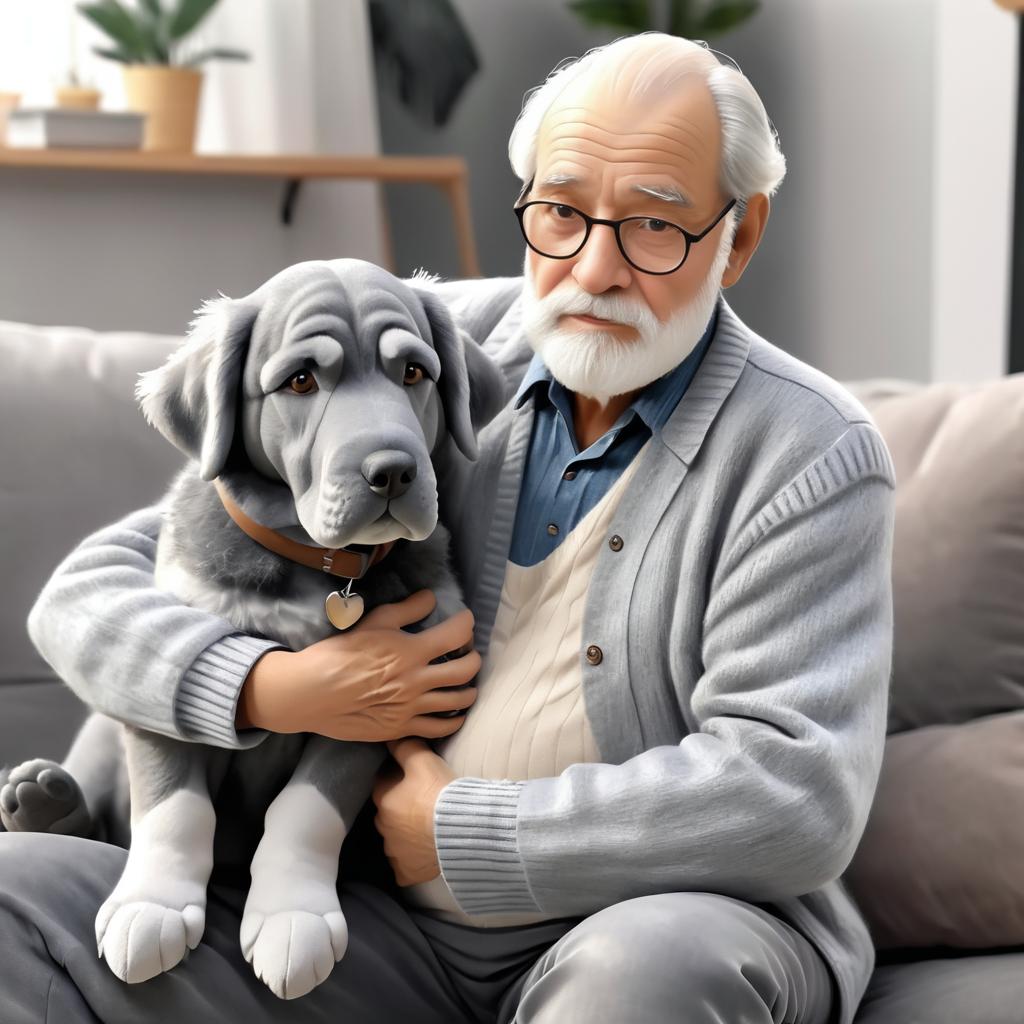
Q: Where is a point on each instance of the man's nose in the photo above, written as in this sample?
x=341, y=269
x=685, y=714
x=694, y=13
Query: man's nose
x=600, y=265
x=389, y=473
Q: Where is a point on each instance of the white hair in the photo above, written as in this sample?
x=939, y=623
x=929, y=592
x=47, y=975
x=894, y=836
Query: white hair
x=752, y=161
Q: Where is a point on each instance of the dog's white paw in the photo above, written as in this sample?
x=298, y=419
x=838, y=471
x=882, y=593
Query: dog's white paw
x=141, y=938
x=293, y=951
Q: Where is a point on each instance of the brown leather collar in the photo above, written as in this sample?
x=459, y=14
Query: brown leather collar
x=336, y=561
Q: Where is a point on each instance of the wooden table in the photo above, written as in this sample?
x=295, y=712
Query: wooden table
x=448, y=173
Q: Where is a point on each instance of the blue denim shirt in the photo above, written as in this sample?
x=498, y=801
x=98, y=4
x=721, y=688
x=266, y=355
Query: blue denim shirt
x=561, y=484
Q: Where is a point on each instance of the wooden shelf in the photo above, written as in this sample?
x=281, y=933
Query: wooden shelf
x=449, y=173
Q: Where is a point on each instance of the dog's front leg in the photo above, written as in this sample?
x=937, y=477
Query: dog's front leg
x=293, y=930
x=157, y=911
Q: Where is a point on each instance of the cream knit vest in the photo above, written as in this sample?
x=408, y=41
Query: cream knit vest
x=529, y=719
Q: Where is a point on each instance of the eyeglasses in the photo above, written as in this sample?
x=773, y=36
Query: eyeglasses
x=649, y=244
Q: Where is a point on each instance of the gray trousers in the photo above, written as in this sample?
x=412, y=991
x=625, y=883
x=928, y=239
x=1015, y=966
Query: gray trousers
x=690, y=957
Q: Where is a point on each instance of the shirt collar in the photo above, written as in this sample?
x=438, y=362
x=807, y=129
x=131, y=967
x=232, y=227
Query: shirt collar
x=653, y=405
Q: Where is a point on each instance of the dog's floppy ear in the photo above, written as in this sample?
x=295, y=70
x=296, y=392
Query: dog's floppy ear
x=193, y=398
x=471, y=386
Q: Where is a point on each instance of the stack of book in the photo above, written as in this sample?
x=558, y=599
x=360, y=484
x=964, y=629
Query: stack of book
x=75, y=129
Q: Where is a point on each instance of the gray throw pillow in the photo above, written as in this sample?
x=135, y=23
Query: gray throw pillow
x=941, y=862
x=76, y=453
x=958, y=554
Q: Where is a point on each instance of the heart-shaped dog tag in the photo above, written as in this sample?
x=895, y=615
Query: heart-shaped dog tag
x=342, y=610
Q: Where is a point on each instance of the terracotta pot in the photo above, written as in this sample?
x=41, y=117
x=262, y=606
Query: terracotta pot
x=8, y=101
x=169, y=97
x=72, y=97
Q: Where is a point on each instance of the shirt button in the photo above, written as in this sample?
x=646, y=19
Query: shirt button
x=615, y=543
x=569, y=474
x=594, y=654
x=553, y=529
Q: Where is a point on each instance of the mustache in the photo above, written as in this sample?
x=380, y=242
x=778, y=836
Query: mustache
x=569, y=301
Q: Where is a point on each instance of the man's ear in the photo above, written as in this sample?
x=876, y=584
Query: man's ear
x=748, y=238
x=193, y=398
x=471, y=386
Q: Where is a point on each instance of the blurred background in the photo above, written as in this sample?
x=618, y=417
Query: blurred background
x=888, y=253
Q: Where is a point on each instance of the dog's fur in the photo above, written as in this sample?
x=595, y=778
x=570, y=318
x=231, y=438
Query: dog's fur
x=295, y=463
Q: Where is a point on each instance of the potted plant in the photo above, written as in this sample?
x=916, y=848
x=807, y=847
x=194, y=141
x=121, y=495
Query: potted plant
x=693, y=19
x=161, y=79
x=8, y=102
x=74, y=94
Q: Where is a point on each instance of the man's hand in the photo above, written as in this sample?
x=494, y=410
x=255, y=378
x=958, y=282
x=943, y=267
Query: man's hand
x=405, y=800
x=374, y=682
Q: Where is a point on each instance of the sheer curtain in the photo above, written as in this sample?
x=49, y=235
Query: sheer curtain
x=308, y=88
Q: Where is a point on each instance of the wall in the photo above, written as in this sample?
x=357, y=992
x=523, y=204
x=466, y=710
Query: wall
x=974, y=168
x=888, y=123
x=846, y=255
x=132, y=251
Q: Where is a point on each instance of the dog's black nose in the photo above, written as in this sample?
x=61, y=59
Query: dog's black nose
x=389, y=473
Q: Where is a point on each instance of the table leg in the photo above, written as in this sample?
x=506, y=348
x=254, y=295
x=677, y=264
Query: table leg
x=457, y=191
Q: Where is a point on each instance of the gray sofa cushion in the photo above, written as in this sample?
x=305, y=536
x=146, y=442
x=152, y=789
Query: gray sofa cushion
x=75, y=454
x=969, y=990
x=958, y=556
x=941, y=862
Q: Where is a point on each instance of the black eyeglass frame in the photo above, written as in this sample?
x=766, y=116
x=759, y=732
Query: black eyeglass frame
x=691, y=239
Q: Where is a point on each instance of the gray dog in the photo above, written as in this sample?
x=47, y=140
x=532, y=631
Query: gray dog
x=315, y=410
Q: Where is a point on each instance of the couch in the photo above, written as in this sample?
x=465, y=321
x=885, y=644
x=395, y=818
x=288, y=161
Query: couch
x=939, y=875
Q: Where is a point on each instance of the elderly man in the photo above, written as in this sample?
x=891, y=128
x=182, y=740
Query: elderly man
x=676, y=545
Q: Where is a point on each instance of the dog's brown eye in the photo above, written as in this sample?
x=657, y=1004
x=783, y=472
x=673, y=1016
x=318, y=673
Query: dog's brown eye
x=414, y=373
x=303, y=383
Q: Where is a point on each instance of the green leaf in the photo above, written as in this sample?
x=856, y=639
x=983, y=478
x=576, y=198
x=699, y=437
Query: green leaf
x=632, y=14
x=726, y=15
x=683, y=21
x=218, y=53
x=188, y=15
x=121, y=25
x=153, y=21
x=118, y=55
x=154, y=35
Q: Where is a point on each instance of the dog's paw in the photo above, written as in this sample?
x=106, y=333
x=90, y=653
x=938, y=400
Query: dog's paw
x=40, y=796
x=293, y=951
x=140, y=939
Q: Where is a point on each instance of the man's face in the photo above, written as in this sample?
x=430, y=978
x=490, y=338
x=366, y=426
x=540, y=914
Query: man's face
x=602, y=327
x=596, y=152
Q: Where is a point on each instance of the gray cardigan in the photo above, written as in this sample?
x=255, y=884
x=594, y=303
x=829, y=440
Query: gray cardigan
x=736, y=653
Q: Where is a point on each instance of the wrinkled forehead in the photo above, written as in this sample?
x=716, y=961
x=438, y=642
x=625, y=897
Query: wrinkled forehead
x=598, y=127
x=348, y=303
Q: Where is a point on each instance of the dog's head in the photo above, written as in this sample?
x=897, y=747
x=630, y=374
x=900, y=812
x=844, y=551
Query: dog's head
x=321, y=398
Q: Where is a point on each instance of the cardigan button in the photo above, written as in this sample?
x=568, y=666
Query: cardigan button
x=615, y=543
x=594, y=654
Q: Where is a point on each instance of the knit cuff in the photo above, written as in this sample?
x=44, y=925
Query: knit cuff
x=207, y=699
x=475, y=835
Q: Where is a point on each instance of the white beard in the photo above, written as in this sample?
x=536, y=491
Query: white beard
x=599, y=364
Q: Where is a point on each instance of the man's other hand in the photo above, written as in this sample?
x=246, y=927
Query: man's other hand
x=405, y=797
